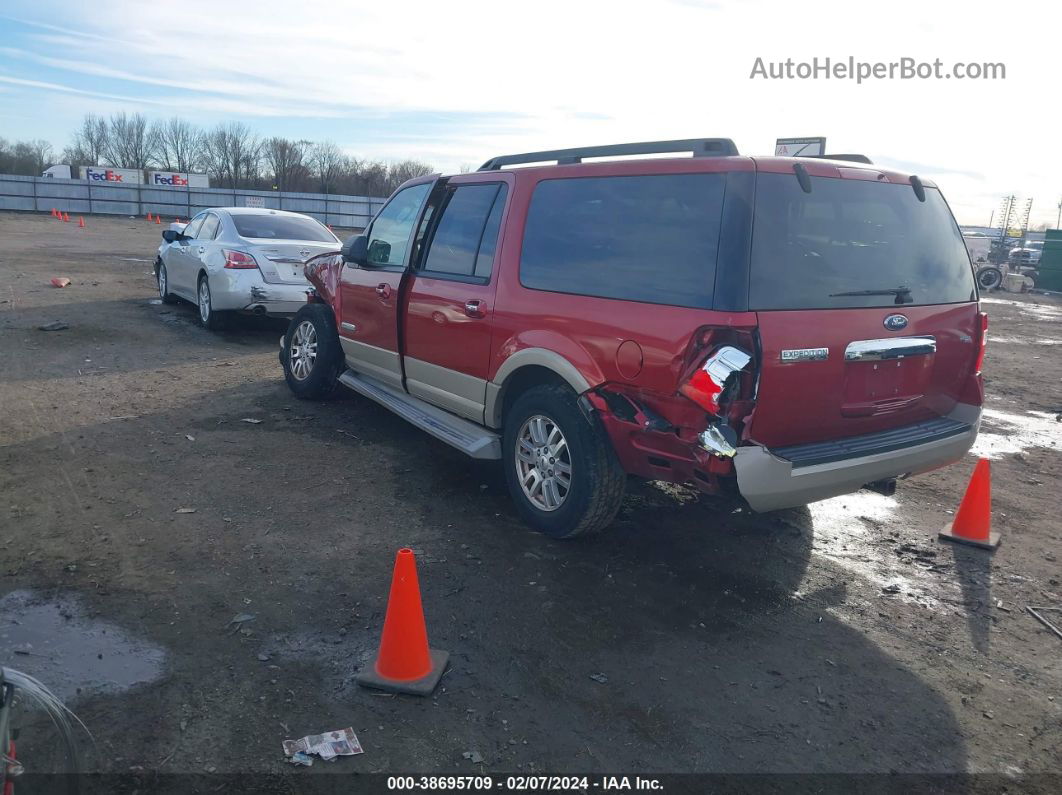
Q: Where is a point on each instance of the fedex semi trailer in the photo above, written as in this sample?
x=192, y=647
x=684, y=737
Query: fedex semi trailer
x=131, y=176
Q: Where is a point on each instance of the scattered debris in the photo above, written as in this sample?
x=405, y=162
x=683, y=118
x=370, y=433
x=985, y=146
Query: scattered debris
x=60, y=281
x=263, y=658
x=894, y=588
x=1034, y=611
x=299, y=758
x=185, y=510
x=599, y=678
x=342, y=742
x=189, y=437
x=251, y=420
x=55, y=325
x=475, y=757
x=240, y=619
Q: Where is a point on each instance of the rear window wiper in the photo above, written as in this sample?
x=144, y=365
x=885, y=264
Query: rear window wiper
x=903, y=294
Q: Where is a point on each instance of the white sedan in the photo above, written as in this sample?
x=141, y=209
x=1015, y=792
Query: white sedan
x=240, y=259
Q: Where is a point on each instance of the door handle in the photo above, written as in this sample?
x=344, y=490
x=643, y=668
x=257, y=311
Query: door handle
x=474, y=308
x=202, y=249
x=383, y=290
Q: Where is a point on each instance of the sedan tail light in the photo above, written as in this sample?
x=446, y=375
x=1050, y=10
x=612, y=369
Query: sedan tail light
x=982, y=343
x=239, y=260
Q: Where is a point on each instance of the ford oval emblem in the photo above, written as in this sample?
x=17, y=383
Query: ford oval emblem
x=896, y=322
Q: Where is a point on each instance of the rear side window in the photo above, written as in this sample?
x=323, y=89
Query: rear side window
x=640, y=238
x=851, y=236
x=209, y=230
x=192, y=230
x=467, y=222
x=280, y=227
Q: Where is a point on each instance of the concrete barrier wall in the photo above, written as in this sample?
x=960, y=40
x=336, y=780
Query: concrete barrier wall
x=81, y=197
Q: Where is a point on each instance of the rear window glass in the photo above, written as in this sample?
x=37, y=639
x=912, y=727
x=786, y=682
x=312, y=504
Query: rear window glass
x=641, y=238
x=280, y=227
x=848, y=236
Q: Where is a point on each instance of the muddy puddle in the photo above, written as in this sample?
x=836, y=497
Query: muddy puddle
x=1003, y=433
x=1038, y=311
x=72, y=653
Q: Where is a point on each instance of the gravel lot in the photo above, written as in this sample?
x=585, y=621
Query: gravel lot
x=140, y=513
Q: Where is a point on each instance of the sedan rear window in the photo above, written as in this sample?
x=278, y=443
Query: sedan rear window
x=280, y=227
x=854, y=243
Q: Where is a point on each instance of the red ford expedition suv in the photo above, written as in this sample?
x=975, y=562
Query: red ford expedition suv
x=802, y=327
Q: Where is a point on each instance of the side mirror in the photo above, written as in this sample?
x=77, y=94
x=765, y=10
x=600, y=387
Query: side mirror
x=171, y=235
x=356, y=250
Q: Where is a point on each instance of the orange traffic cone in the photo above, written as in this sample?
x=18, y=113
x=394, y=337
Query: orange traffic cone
x=158, y=219
x=54, y=212
x=149, y=216
x=973, y=520
x=404, y=663
x=66, y=217
x=81, y=222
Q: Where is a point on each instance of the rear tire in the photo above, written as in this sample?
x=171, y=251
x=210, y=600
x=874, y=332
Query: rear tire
x=209, y=318
x=989, y=278
x=561, y=470
x=312, y=356
x=163, y=279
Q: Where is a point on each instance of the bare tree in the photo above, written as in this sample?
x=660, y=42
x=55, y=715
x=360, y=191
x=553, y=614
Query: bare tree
x=231, y=153
x=90, y=141
x=328, y=163
x=286, y=161
x=398, y=173
x=178, y=144
x=130, y=143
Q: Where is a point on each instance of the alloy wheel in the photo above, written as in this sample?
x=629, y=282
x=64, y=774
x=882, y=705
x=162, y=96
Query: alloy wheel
x=543, y=463
x=303, y=352
x=204, y=301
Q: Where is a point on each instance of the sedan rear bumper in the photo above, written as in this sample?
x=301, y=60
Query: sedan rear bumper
x=769, y=481
x=246, y=291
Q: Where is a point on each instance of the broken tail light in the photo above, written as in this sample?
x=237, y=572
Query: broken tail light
x=708, y=383
x=711, y=385
x=982, y=343
x=239, y=260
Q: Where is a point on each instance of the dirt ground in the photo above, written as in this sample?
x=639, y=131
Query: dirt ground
x=140, y=514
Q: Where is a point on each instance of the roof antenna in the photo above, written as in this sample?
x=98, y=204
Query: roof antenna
x=919, y=188
x=802, y=177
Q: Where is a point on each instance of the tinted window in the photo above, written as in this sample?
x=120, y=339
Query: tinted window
x=390, y=232
x=456, y=244
x=487, y=246
x=280, y=227
x=209, y=229
x=645, y=238
x=848, y=235
x=193, y=226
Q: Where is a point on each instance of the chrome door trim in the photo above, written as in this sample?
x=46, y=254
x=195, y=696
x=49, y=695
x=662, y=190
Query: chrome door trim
x=891, y=348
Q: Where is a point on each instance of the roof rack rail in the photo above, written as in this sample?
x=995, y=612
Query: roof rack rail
x=852, y=158
x=699, y=147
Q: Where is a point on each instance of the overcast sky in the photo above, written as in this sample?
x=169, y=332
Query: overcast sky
x=454, y=83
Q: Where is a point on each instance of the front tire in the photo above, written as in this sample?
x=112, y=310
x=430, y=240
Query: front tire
x=561, y=469
x=312, y=356
x=209, y=318
x=163, y=279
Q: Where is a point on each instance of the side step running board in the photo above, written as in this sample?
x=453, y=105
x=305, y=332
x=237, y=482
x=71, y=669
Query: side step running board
x=469, y=438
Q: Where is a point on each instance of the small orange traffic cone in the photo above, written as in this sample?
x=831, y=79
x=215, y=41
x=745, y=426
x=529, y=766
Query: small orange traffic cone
x=81, y=222
x=149, y=216
x=973, y=520
x=66, y=217
x=54, y=212
x=158, y=219
x=404, y=663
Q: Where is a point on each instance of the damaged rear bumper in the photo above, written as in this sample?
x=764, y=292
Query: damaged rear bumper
x=769, y=481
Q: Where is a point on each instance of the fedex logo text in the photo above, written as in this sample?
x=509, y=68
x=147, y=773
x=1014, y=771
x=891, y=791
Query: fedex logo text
x=103, y=176
x=170, y=179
